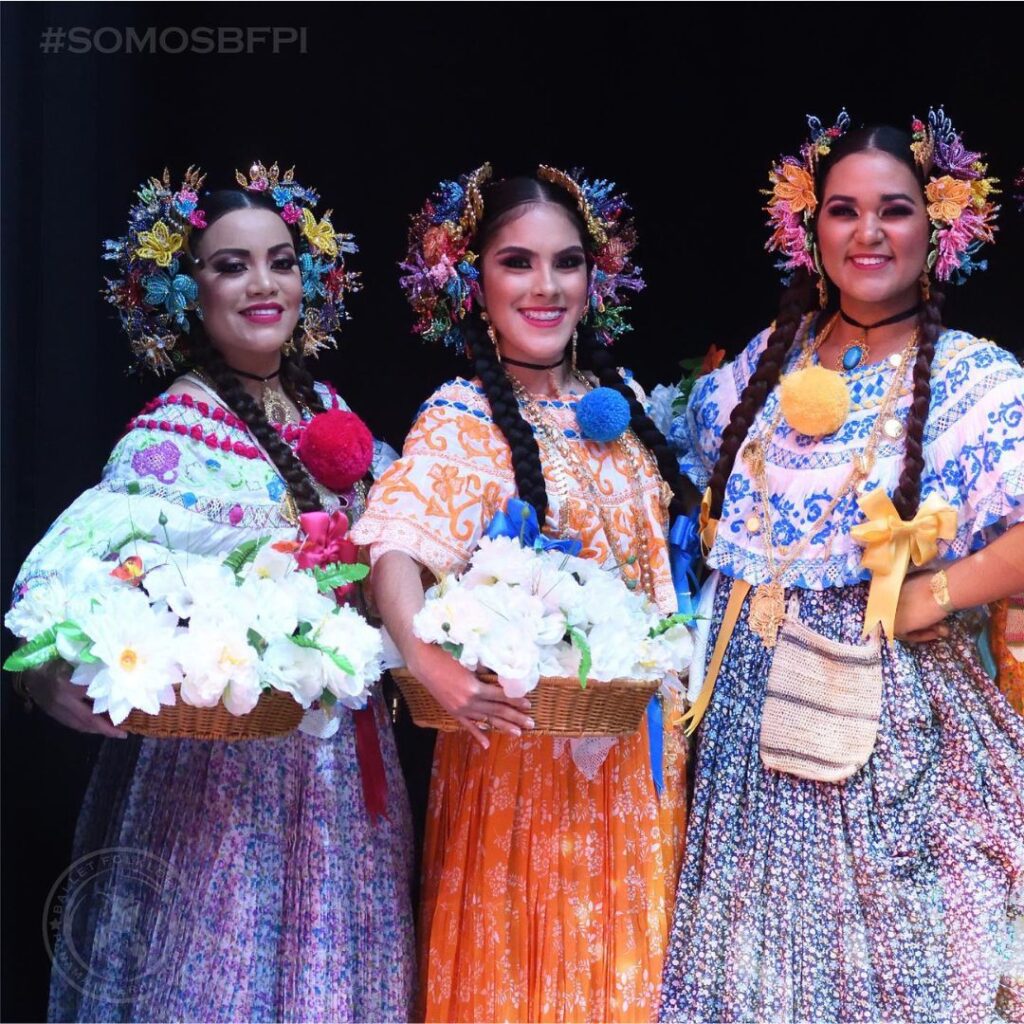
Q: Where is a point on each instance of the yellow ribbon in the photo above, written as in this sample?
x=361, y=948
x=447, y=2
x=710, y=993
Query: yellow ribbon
x=706, y=526
x=890, y=543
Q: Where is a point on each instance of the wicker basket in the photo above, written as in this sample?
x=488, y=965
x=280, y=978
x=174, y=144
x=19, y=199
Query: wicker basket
x=275, y=714
x=559, y=706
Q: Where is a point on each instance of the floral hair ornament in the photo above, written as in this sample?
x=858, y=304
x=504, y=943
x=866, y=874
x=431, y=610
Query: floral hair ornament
x=441, y=275
x=442, y=279
x=613, y=238
x=793, y=201
x=153, y=294
x=321, y=255
x=959, y=204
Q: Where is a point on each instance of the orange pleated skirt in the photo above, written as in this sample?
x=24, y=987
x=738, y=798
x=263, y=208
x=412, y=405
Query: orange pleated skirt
x=548, y=896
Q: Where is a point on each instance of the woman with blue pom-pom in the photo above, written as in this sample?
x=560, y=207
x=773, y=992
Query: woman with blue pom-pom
x=550, y=864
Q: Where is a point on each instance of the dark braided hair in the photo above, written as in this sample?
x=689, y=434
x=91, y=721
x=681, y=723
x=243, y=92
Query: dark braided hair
x=295, y=378
x=500, y=200
x=797, y=299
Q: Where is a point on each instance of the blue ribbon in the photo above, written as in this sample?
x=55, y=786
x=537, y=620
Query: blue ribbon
x=656, y=743
x=519, y=521
x=684, y=557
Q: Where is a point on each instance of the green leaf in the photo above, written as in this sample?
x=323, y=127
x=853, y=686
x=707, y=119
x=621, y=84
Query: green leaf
x=132, y=487
x=244, y=554
x=257, y=641
x=134, y=535
x=38, y=651
x=679, y=619
x=339, y=659
x=579, y=641
x=329, y=577
x=327, y=699
x=455, y=650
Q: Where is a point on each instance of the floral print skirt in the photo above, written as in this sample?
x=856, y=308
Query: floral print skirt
x=548, y=895
x=238, y=882
x=891, y=896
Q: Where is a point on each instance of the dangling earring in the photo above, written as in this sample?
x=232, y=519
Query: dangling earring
x=926, y=286
x=484, y=317
x=575, y=336
x=288, y=348
x=492, y=334
x=822, y=291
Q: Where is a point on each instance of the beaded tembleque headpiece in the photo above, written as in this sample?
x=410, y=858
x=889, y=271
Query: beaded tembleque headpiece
x=959, y=207
x=441, y=279
x=153, y=294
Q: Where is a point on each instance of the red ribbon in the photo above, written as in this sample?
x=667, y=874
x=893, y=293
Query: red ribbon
x=326, y=542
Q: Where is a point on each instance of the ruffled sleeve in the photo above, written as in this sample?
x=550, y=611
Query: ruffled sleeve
x=201, y=475
x=696, y=433
x=454, y=473
x=974, y=438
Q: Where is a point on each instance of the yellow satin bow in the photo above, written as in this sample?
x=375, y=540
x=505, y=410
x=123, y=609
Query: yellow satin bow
x=320, y=236
x=890, y=543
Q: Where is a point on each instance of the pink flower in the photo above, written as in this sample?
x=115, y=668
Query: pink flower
x=291, y=214
x=197, y=218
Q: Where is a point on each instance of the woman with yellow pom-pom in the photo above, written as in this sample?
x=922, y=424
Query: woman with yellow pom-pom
x=856, y=841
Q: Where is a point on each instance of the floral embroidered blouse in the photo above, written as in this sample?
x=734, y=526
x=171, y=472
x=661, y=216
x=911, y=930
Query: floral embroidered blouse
x=973, y=451
x=195, y=465
x=456, y=472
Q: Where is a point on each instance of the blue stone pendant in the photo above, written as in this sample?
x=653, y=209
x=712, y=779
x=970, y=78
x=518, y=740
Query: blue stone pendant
x=853, y=356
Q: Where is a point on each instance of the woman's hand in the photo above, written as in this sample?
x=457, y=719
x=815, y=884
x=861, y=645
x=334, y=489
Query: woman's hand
x=51, y=688
x=919, y=617
x=465, y=697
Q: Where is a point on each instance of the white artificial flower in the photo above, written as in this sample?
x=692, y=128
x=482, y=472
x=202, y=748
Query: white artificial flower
x=137, y=648
x=294, y=669
x=347, y=632
x=659, y=405
x=189, y=580
x=272, y=562
x=219, y=664
x=512, y=656
x=270, y=609
x=500, y=560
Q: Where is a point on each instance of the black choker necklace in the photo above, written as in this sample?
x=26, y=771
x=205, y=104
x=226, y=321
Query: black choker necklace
x=254, y=376
x=532, y=366
x=905, y=315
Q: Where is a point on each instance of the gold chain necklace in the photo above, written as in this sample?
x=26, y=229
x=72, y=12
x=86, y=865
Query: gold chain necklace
x=767, y=605
x=565, y=460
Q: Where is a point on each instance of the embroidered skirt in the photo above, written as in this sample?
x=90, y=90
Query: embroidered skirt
x=888, y=897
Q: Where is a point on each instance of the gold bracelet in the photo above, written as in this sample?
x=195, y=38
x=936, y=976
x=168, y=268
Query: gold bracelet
x=939, y=584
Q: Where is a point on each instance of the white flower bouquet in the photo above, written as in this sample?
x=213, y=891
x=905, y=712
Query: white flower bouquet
x=150, y=626
x=528, y=612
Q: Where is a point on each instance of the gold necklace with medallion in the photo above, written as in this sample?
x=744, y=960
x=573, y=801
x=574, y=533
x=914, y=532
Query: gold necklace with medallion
x=767, y=608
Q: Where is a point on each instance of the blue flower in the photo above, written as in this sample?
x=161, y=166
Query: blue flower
x=448, y=204
x=175, y=293
x=312, y=272
x=282, y=195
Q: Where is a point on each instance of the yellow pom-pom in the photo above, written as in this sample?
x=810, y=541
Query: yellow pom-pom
x=815, y=401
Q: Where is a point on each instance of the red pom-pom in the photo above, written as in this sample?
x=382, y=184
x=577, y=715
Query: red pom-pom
x=337, y=448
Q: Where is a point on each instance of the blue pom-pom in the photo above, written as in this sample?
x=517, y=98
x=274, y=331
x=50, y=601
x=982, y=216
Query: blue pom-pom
x=603, y=414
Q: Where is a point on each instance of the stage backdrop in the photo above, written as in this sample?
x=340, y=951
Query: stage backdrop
x=374, y=104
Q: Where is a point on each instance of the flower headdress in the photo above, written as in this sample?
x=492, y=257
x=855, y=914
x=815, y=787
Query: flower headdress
x=793, y=200
x=441, y=279
x=153, y=294
x=959, y=204
x=1018, y=184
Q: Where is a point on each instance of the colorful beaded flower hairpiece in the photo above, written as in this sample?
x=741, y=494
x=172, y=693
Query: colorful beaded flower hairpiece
x=442, y=279
x=153, y=294
x=962, y=214
x=793, y=201
x=959, y=207
x=1018, y=184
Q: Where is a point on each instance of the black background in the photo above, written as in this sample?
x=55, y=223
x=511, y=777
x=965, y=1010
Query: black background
x=684, y=105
